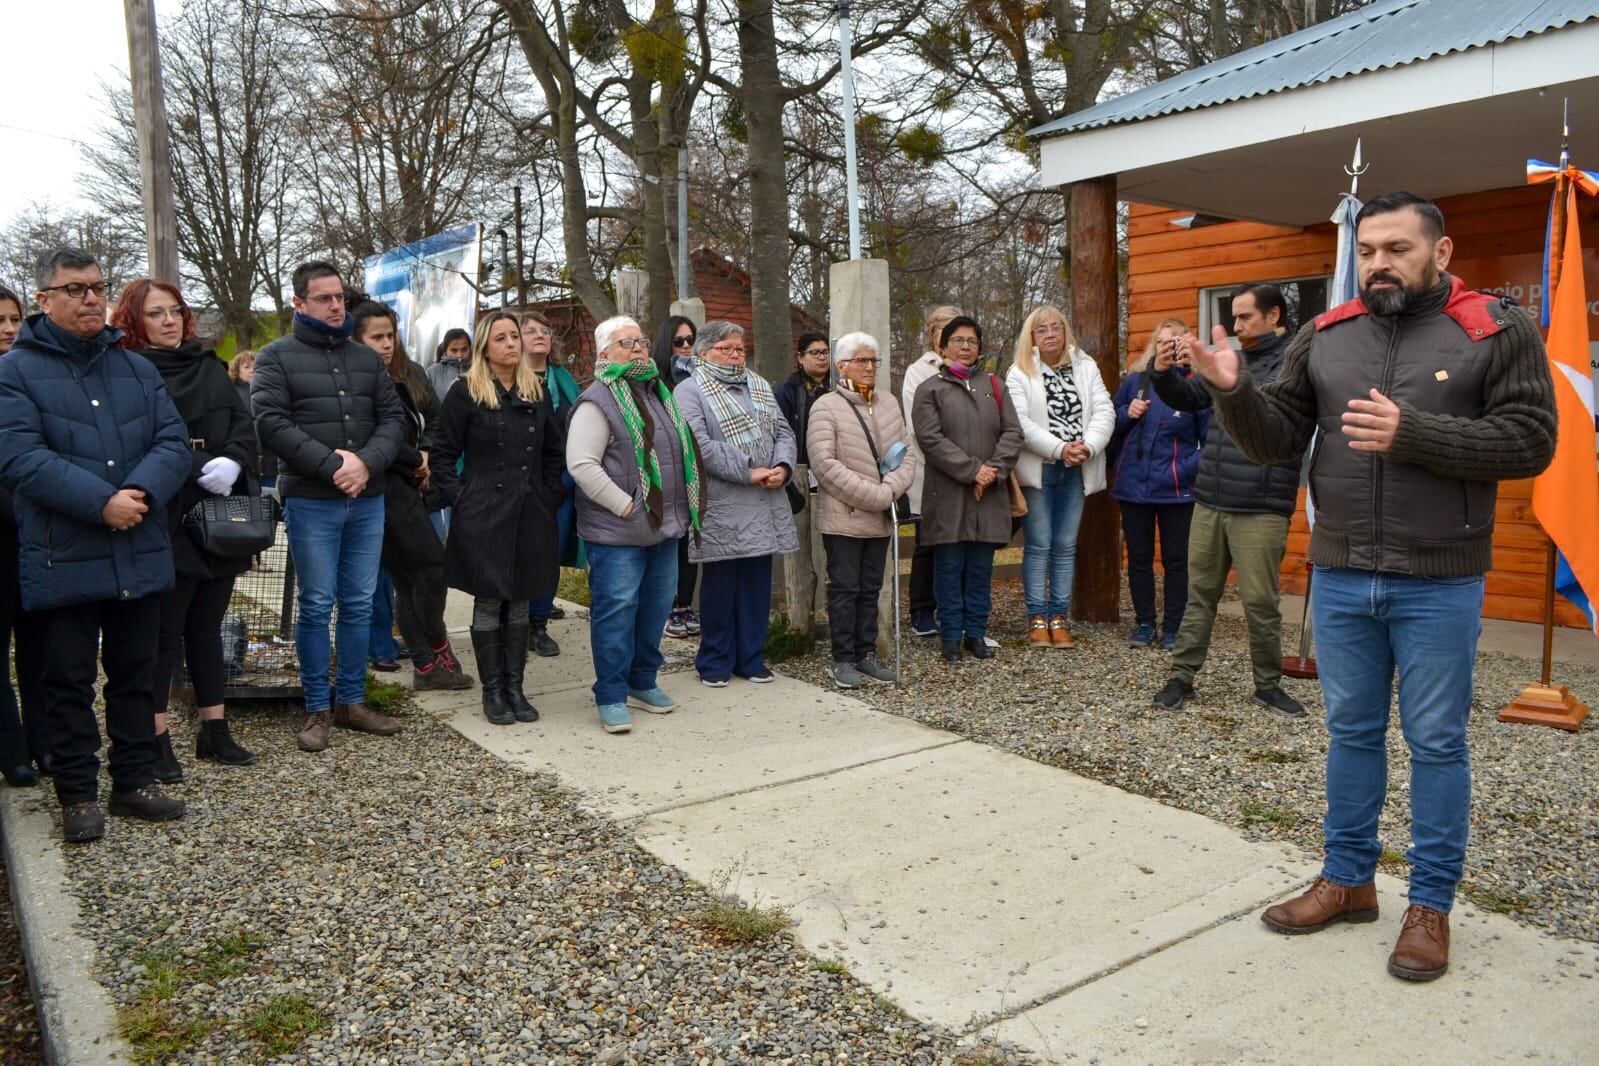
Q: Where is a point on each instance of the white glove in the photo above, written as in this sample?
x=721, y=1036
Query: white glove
x=218, y=476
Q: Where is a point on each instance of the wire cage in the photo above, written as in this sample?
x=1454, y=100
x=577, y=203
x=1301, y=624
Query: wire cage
x=258, y=653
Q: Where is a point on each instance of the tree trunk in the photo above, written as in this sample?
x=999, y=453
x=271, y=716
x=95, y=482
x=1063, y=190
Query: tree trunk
x=1094, y=313
x=652, y=219
x=768, y=196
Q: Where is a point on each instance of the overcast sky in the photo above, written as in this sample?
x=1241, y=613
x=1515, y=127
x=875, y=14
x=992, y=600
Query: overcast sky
x=57, y=54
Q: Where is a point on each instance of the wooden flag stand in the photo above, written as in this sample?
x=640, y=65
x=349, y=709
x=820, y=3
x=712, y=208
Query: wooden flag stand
x=1543, y=703
x=1303, y=665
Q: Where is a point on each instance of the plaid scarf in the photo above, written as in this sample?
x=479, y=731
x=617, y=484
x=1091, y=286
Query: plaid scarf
x=642, y=435
x=740, y=428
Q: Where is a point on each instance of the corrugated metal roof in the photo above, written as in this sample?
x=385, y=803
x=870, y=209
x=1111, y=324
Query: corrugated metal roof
x=1390, y=33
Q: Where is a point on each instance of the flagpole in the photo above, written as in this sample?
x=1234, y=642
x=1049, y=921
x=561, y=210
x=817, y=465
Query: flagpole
x=1548, y=704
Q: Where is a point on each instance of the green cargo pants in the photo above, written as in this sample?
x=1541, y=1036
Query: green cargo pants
x=1252, y=544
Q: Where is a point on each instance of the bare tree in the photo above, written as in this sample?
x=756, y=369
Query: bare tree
x=227, y=70
x=41, y=228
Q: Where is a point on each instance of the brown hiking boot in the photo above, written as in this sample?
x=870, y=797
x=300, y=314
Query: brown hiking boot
x=1059, y=635
x=1422, y=951
x=1037, y=632
x=82, y=822
x=1322, y=904
x=313, y=735
x=363, y=719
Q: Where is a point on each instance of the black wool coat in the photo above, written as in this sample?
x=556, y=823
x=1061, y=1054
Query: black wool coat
x=218, y=426
x=409, y=540
x=503, y=542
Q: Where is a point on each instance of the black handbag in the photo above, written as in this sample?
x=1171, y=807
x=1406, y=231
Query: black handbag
x=235, y=527
x=902, y=506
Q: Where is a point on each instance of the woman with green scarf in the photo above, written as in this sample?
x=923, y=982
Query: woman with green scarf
x=637, y=472
x=748, y=451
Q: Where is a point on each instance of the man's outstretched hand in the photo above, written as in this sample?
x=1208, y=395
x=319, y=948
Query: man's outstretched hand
x=1218, y=365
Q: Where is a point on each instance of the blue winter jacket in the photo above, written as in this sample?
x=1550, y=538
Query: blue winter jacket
x=1154, y=459
x=80, y=419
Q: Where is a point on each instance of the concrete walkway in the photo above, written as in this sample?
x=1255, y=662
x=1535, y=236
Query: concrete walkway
x=989, y=893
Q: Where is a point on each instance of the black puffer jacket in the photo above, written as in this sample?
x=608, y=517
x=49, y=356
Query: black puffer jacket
x=1228, y=480
x=314, y=392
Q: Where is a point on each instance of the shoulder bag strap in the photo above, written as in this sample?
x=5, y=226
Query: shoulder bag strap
x=870, y=443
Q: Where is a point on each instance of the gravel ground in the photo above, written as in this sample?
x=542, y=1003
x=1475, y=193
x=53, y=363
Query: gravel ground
x=19, y=1021
x=414, y=900
x=1534, y=852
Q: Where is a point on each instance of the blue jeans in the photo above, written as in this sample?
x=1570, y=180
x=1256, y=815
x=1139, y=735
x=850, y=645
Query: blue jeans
x=441, y=522
x=1049, y=540
x=1367, y=624
x=963, y=574
x=540, y=609
x=630, y=595
x=735, y=610
x=382, y=645
x=337, y=546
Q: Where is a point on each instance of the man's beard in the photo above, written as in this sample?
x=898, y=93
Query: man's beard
x=1392, y=301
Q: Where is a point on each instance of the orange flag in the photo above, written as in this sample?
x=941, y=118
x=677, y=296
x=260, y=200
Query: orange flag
x=1565, y=497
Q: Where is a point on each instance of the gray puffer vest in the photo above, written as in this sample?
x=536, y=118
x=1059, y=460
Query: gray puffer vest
x=597, y=525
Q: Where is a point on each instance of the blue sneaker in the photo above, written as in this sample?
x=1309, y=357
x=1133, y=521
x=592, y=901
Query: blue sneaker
x=922, y=624
x=1168, y=640
x=1143, y=637
x=614, y=718
x=651, y=699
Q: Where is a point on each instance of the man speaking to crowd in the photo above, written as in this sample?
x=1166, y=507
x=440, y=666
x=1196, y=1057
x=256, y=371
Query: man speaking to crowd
x=1427, y=394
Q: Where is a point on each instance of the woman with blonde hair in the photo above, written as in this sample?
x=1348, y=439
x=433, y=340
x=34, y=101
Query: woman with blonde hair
x=921, y=581
x=1067, y=421
x=502, y=547
x=1154, y=459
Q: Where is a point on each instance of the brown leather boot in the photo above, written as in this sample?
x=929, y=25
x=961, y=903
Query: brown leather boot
x=313, y=734
x=1059, y=635
x=1037, y=632
x=1322, y=904
x=363, y=719
x=1422, y=951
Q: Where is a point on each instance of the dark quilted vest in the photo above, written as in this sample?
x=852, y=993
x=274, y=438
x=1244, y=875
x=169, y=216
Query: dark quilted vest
x=1374, y=513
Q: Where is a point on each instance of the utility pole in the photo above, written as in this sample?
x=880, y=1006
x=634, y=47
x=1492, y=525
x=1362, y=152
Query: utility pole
x=847, y=81
x=521, y=257
x=155, y=149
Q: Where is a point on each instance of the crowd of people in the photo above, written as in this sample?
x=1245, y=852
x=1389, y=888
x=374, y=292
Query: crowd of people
x=674, y=477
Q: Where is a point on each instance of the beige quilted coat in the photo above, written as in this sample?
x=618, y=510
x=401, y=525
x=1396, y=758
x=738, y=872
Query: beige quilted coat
x=853, y=500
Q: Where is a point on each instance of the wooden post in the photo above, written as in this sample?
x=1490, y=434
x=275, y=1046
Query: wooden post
x=1544, y=703
x=1097, y=589
x=155, y=149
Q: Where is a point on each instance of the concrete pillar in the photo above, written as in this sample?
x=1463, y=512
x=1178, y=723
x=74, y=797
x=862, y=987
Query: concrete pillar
x=859, y=303
x=692, y=309
x=1097, y=588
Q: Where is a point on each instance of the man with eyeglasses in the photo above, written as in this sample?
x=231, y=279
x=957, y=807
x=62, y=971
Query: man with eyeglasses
x=798, y=393
x=91, y=447
x=324, y=405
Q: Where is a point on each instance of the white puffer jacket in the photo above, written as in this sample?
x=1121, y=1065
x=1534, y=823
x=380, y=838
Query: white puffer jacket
x=1032, y=410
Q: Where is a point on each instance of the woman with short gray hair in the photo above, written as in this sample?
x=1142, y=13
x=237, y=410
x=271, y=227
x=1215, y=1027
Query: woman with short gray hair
x=748, y=451
x=861, y=458
x=635, y=464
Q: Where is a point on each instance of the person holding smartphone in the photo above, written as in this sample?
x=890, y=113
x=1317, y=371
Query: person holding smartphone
x=1154, y=458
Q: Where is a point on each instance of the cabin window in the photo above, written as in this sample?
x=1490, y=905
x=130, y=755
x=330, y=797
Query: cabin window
x=1306, y=298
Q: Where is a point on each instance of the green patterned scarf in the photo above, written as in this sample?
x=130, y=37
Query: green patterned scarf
x=616, y=377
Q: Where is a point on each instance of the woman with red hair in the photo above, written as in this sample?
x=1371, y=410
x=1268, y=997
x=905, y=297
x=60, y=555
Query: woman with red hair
x=157, y=324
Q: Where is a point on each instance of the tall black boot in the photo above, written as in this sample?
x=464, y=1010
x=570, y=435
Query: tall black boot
x=216, y=743
x=489, y=646
x=515, y=665
x=539, y=639
x=167, y=770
